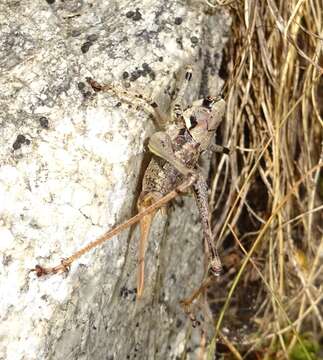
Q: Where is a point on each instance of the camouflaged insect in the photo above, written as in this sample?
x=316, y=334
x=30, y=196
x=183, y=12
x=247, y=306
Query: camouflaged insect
x=176, y=151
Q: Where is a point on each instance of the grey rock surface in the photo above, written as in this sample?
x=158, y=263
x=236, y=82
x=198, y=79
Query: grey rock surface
x=71, y=163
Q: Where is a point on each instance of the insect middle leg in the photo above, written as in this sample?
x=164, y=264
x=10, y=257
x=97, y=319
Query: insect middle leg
x=201, y=193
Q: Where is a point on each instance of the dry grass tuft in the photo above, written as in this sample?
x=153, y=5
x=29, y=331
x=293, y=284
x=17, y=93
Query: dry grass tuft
x=267, y=199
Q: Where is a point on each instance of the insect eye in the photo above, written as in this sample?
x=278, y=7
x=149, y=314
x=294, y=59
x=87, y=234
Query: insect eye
x=208, y=102
x=193, y=122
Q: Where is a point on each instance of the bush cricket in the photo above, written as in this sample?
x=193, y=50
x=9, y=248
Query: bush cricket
x=176, y=149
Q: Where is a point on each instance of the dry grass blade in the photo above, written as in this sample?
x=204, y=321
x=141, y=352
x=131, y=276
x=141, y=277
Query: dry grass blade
x=274, y=96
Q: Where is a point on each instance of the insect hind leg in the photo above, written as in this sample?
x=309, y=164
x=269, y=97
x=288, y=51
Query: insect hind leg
x=145, y=200
x=201, y=194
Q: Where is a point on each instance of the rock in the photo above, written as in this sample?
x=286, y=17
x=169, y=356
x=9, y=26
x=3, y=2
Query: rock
x=71, y=163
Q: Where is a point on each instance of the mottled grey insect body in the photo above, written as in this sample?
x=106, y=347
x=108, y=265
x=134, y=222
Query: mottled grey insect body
x=176, y=151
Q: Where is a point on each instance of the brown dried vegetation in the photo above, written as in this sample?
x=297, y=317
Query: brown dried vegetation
x=267, y=198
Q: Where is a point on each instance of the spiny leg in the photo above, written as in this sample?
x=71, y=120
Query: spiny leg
x=159, y=144
x=201, y=194
x=177, y=108
x=67, y=262
x=131, y=97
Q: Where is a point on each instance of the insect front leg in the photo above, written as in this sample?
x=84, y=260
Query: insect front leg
x=201, y=194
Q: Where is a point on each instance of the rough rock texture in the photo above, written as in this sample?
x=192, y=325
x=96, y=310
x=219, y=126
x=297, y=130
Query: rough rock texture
x=71, y=163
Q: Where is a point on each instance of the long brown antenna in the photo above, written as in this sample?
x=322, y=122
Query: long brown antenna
x=66, y=263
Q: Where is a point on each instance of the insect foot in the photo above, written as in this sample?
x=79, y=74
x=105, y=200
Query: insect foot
x=215, y=267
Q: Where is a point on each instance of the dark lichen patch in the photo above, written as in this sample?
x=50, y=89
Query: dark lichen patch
x=88, y=94
x=131, y=293
x=6, y=260
x=152, y=75
x=92, y=37
x=136, y=75
x=154, y=105
x=86, y=46
x=20, y=140
x=147, y=35
x=194, y=40
x=76, y=32
x=124, y=292
x=179, y=323
x=134, y=15
x=44, y=123
x=125, y=75
x=178, y=21
x=83, y=90
x=50, y=1
x=81, y=86
x=146, y=70
x=179, y=41
x=130, y=14
x=137, y=16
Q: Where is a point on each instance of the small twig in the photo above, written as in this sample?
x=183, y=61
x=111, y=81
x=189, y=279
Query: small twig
x=66, y=263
